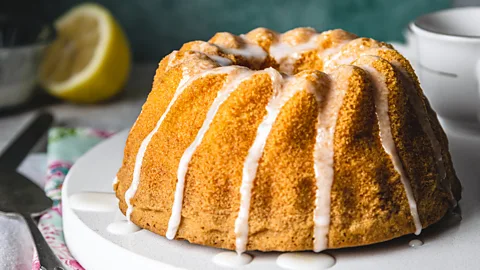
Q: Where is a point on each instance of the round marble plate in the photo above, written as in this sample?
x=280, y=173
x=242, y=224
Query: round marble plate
x=451, y=244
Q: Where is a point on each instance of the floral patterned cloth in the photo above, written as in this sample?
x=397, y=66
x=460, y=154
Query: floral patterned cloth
x=65, y=146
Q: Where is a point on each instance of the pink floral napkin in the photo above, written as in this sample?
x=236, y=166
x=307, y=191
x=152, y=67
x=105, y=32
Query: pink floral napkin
x=65, y=146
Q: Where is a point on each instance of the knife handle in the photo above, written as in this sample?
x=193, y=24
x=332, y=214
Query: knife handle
x=16, y=151
x=46, y=257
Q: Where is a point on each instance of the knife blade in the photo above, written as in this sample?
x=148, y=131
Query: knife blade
x=16, y=151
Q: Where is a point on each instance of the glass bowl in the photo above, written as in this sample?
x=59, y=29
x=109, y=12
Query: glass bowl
x=22, y=43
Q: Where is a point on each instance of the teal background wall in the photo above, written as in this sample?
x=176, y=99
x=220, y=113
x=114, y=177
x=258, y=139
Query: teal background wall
x=156, y=27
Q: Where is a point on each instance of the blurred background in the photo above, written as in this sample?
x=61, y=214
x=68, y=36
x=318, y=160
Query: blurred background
x=156, y=27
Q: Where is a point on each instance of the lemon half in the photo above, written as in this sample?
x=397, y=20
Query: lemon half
x=90, y=59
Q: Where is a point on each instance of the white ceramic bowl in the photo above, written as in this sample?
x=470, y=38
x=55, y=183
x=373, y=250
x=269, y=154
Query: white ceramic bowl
x=447, y=49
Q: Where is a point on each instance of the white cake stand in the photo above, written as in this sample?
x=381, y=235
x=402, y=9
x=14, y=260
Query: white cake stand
x=448, y=245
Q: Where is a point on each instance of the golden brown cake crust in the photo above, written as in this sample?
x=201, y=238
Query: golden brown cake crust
x=368, y=199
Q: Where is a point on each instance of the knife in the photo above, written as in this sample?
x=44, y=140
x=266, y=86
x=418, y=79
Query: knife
x=19, y=195
x=18, y=149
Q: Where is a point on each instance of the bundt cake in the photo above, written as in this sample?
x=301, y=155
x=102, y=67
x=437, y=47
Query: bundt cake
x=286, y=142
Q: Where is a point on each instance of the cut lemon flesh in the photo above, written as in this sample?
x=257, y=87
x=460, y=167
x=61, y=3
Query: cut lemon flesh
x=90, y=59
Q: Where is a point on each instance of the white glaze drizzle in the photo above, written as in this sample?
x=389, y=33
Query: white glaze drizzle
x=280, y=50
x=286, y=55
x=186, y=80
x=280, y=96
x=386, y=138
x=93, y=201
x=423, y=118
x=250, y=51
x=323, y=162
x=234, y=79
x=231, y=259
x=122, y=227
x=336, y=59
x=115, y=180
x=171, y=58
x=143, y=147
x=222, y=61
x=206, y=48
x=343, y=56
x=305, y=260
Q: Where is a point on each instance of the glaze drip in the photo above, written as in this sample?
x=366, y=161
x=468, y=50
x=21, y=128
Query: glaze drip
x=115, y=181
x=186, y=80
x=250, y=51
x=251, y=161
x=234, y=79
x=386, y=138
x=171, y=58
x=283, y=91
x=286, y=55
x=222, y=61
x=424, y=120
x=323, y=160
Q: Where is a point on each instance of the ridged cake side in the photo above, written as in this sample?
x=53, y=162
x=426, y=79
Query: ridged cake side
x=229, y=152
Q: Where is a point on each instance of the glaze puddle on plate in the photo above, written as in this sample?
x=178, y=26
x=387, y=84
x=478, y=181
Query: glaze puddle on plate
x=102, y=202
x=415, y=243
x=94, y=202
x=305, y=261
x=232, y=259
x=122, y=227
